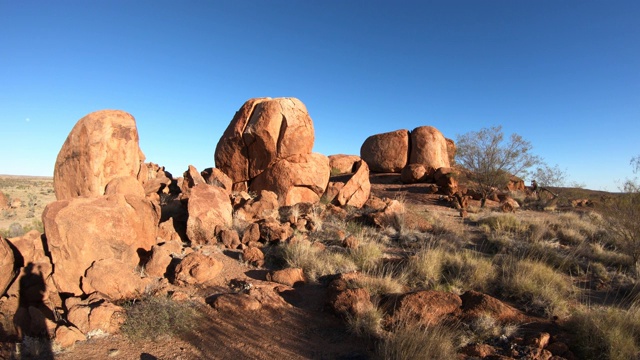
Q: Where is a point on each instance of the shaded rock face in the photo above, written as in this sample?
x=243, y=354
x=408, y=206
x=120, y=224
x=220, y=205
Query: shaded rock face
x=429, y=148
x=387, y=152
x=343, y=164
x=82, y=231
x=101, y=146
x=7, y=262
x=354, y=190
x=209, y=212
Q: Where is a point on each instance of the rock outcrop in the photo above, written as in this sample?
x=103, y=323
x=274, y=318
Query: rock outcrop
x=101, y=146
x=343, y=164
x=300, y=178
x=429, y=148
x=386, y=152
x=82, y=231
x=209, y=212
x=353, y=190
x=7, y=263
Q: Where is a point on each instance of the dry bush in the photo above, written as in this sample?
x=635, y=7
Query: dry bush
x=612, y=258
x=380, y=281
x=503, y=223
x=485, y=327
x=413, y=342
x=153, y=317
x=367, y=255
x=606, y=333
x=315, y=262
x=537, y=286
x=462, y=270
x=367, y=323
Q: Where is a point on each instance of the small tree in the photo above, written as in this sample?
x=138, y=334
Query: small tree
x=546, y=175
x=490, y=160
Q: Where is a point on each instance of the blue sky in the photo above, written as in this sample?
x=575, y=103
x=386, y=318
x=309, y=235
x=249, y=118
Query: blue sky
x=565, y=74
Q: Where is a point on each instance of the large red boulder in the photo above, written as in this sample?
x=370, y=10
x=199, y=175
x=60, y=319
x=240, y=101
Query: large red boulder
x=386, y=152
x=262, y=132
x=101, y=146
x=301, y=178
x=429, y=148
x=209, y=212
x=82, y=231
x=7, y=263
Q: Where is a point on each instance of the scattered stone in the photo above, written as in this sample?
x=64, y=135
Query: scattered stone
x=197, y=268
x=67, y=336
x=253, y=256
x=230, y=239
x=426, y=307
x=290, y=276
x=413, y=173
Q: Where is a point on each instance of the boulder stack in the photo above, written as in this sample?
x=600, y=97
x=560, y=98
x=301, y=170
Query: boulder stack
x=267, y=146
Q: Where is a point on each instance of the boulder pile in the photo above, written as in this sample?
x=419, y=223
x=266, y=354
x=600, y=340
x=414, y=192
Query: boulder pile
x=122, y=228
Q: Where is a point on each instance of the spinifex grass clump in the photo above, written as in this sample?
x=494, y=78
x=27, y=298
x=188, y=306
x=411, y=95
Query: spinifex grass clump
x=153, y=317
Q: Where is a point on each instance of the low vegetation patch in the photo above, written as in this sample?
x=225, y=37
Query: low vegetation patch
x=153, y=317
x=607, y=333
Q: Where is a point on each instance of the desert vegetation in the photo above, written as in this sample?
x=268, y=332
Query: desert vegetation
x=308, y=256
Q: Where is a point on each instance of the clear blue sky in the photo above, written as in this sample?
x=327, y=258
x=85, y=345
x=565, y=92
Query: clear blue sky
x=563, y=74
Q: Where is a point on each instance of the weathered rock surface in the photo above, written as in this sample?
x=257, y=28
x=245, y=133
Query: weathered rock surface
x=343, y=164
x=94, y=314
x=209, y=211
x=7, y=263
x=125, y=185
x=429, y=148
x=452, y=149
x=197, y=268
x=261, y=133
x=357, y=189
x=289, y=276
x=113, y=280
x=101, y=146
x=301, y=178
x=426, y=307
x=413, y=173
x=386, y=152
x=82, y=231
x=216, y=177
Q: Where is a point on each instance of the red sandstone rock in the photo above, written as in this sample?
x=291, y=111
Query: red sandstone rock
x=209, y=207
x=197, y=268
x=125, y=185
x=386, y=152
x=429, y=148
x=343, y=164
x=101, y=146
x=82, y=231
x=216, y=177
x=289, y=276
x=296, y=179
x=357, y=189
x=427, y=307
x=7, y=262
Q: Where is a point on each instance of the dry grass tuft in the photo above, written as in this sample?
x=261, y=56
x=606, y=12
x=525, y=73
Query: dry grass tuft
x=412, y=342
x=537, y=286
x=607, y=333
x=315, y=262
x=153, y=317
x=366, y=323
